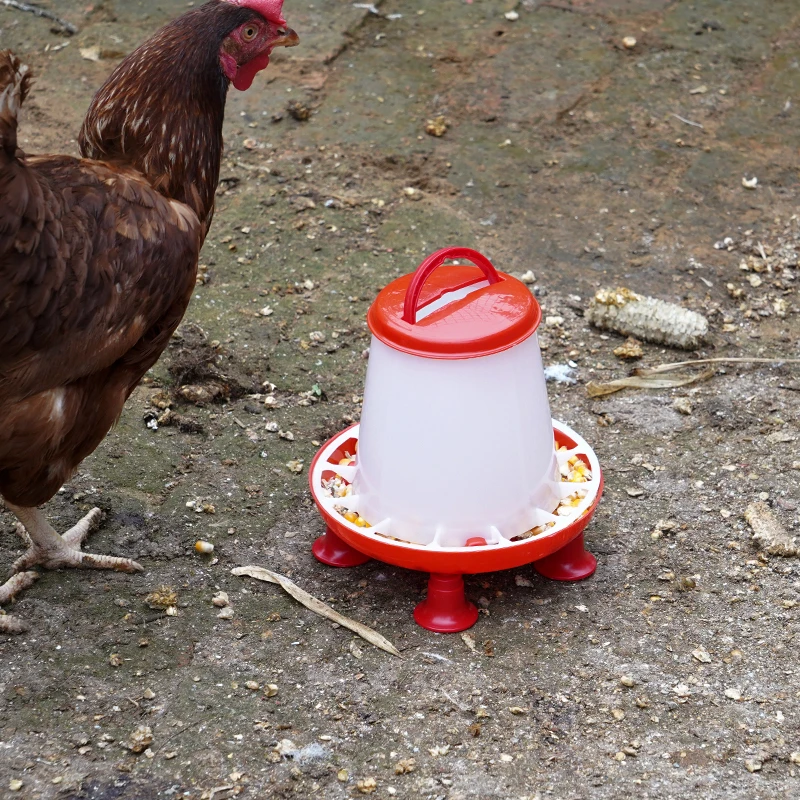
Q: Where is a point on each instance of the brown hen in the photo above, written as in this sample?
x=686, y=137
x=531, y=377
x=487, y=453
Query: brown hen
x=98, y=256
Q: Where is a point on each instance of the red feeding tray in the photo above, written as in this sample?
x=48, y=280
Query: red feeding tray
x=558, y=553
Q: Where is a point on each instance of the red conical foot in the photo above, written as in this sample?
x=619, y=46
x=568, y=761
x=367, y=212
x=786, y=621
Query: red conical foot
x=571, y=563
x=333, y=551
x=445, y=609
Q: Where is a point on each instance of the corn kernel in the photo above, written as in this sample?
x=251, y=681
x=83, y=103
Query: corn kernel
x=361, y=522
x=345, y=461
x=351, y=516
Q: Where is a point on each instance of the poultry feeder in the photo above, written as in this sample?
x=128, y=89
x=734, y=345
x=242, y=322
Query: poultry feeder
x=456, y=466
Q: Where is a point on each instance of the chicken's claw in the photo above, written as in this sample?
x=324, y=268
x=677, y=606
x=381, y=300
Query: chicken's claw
x=14, y=585
x=57, y=552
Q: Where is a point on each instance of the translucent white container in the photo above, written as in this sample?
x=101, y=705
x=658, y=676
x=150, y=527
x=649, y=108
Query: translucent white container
x=455, y=447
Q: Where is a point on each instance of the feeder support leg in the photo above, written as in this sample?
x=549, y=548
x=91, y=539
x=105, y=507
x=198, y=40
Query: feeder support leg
x=446, y=608
x=571, y=563
x=335, y=552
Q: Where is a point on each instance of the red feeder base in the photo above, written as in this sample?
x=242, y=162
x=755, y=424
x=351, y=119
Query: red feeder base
x=333, y=551
x=445, y=609
x=571, y=563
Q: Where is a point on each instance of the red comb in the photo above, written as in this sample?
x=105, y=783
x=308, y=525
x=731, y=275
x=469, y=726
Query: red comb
x=269, y=9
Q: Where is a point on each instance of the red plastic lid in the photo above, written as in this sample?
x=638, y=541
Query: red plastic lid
x=484, y=321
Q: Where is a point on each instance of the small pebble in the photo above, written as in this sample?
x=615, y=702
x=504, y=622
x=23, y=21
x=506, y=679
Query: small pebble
x=627, y=680
x=629, y=42
x=220, y=600
x=140, y=739
x=226, y=613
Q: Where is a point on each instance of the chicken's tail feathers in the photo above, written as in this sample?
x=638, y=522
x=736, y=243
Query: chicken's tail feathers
x=15, y=82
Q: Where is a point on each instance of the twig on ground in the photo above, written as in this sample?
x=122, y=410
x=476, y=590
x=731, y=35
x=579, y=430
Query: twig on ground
x=687, y=121
x=41, y=12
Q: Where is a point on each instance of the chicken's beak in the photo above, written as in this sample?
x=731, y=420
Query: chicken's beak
x=286, y=38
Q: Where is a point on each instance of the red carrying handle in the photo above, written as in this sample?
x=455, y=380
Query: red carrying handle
x=425, y=269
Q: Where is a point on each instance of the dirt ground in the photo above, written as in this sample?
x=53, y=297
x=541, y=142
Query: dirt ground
x=672, y=672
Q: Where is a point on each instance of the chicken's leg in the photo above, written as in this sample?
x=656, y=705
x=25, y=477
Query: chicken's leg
x=15, y=584
x=48, y=549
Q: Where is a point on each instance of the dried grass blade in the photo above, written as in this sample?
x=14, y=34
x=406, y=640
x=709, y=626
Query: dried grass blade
x=317, y=606
x=642, y=380
x=681, y=364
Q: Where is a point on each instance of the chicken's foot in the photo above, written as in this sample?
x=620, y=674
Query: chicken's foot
x=48, y=549
x=12, y=587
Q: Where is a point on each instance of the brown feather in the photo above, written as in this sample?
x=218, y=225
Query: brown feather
x=98, y=256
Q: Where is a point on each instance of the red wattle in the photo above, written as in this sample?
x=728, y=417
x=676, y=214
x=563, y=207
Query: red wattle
x=246, y=73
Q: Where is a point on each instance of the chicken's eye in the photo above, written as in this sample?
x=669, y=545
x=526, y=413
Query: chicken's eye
x=249, y=33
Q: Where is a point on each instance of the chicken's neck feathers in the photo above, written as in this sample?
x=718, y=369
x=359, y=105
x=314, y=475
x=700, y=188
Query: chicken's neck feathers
x=161, y=111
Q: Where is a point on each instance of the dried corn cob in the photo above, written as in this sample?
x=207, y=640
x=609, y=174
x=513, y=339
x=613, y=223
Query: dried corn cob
x=623, y=311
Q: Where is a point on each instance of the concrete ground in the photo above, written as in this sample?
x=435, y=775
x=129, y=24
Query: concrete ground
x=591, y=161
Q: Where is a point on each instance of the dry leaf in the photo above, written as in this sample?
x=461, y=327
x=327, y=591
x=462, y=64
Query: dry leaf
x=404, y=766
x=91, y=53
x=643, y=378
x=768, y=532
x=318, y=607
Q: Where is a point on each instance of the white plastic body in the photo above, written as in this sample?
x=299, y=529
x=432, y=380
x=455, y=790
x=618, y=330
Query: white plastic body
x=454, y=449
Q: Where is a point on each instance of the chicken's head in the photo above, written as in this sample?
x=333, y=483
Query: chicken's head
x=246, y=49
